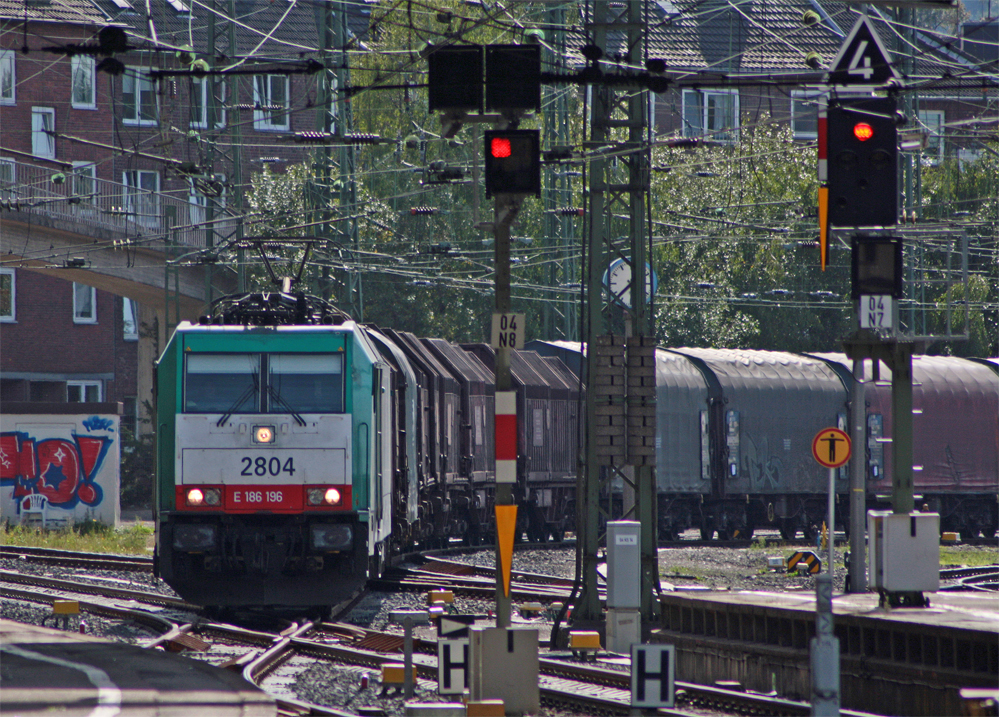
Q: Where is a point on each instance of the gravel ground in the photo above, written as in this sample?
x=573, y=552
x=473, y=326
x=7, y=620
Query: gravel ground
x=681, y=568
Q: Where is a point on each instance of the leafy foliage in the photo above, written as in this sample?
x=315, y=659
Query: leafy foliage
x=734, y=226
x=737, y=261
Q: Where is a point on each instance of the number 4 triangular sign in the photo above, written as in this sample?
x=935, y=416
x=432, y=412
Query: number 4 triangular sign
x=862, y=59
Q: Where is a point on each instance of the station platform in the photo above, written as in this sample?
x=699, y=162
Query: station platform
x=902, y=661
x=46, y=671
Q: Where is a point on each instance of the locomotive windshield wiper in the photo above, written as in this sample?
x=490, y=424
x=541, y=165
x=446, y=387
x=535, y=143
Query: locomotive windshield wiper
x=272, y=392
x=250, y=390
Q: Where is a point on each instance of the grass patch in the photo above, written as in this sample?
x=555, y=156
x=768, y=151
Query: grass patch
x=759, y=543
x=88, y=536
x=971, y=556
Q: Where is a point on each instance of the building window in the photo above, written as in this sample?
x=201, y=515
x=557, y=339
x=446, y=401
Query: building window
x=142, y=199
x=715, y=114
x=197, y=204
x=805, y=114
x=84, y=182
x=83, y=391
x=200, y=87
x=8, y=80
x=200, y=191
x=333, y=96
x=84, y=92
x=932, y=122
x=138, y=97
x=129, y=421
x=8, y=295
x=84, y=304
x=8, y=174
x=42, y=127
x=130, y=320
x=270, y=102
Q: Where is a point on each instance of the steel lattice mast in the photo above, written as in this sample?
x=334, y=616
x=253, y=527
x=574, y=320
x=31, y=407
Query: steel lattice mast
x=620, y=368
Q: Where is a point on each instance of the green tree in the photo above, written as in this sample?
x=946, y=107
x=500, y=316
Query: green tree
x=737, y=257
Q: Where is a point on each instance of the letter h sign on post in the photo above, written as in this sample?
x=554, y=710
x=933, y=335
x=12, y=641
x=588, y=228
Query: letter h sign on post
x=652, y=671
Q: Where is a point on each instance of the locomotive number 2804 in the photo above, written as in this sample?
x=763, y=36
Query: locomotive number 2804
x=262, y=466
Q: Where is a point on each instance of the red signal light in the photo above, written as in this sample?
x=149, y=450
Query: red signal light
x=863, y=131
x=500, y=147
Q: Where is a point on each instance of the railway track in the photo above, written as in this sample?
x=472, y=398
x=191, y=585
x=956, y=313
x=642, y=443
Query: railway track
x=588, y=689
x=76, y=559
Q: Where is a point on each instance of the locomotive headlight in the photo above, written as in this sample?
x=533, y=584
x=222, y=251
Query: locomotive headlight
x=263, y=434
x=205, y=496
x=323, y=496
x=337, y=536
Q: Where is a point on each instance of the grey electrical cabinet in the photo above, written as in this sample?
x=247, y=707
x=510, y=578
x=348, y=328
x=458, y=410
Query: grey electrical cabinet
x=624, y=564
x=904, y=551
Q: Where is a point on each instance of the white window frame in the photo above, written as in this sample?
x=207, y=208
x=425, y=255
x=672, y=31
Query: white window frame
x=143, y=93
x=197, y=205
x=84, y=182
x=129, y=319
x=199, y=103
x=83, y=75
x=78, y=316
x=932, y=122
x=263, y=91
x=8, y=179
x=141, y=197
x=802, y=102
x=8, y=77
x=133, y=424
x=83, y=386
x=704, y=100
x=197, y=209
x=9, y=317
x=333, y=109
x=43, y=120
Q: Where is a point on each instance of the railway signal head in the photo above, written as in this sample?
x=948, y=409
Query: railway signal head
x=863, y=131
x=863, y=160
x=513, y=162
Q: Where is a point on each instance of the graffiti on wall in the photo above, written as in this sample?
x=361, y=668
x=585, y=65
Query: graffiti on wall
x=64, y=471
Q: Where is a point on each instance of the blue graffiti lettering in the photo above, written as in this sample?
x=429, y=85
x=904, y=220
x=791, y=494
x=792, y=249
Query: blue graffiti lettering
x=96, y=423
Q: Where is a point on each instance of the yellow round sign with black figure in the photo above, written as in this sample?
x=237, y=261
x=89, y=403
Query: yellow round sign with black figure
x=831, y=447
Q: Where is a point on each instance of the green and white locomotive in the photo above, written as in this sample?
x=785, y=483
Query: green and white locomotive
x=275, y=456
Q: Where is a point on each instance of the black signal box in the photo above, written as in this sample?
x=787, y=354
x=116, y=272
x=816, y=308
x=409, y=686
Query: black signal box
x=513, y=162
x=454, y=78
x=876, y=267
x=862, y=154
x=513, y=77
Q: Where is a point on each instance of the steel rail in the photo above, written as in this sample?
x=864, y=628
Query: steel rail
x=154, y=622
x=102, y=590
x=100, y=561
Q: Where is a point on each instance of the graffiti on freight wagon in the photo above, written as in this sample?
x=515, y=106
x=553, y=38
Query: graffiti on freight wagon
x=64, y=471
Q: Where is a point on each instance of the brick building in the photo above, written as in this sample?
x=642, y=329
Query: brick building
x=738, y=51
x=100, y=138
x=66, y=342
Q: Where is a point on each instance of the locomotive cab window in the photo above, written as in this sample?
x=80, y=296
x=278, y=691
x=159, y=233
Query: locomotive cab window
x=222, y=383
x=264, y=383
x=305, y=383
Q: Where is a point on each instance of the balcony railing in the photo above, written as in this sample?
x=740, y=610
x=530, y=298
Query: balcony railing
x=136, y=215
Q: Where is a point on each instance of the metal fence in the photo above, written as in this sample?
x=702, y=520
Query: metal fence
x=137, y=210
